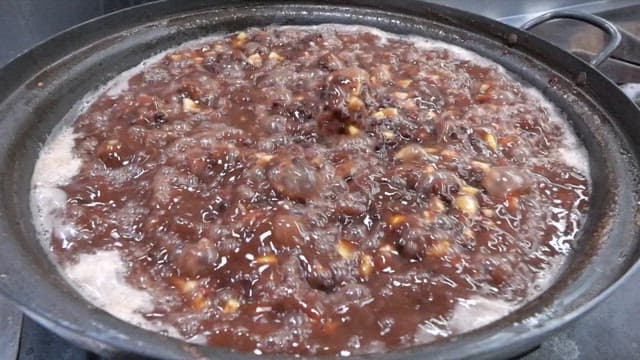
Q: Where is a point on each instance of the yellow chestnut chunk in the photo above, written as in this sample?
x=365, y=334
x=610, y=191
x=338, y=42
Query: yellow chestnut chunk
x=189, y=105
x=388, y=135
x=491, y=141
x=397, y=220
x=275, y=56
x=400, y=95
x=199, y=303
x=355, y=104
x=346, y=249
x=352, y=130
x=263, y=159
x=185, y=286
x=405, y=83
x=439, y=249
x=255, y=60
x=470, y=190
x=266, y=260
x=437, y=205
x=487, y=212
x=231, y=306
x=240, y=39
x=467, y=204
x=412, y=152
x=481, y=165
x=385, y=113
x=366, y=266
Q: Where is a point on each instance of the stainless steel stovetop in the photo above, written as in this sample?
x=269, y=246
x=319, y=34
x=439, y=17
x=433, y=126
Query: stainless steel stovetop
x=611, y=331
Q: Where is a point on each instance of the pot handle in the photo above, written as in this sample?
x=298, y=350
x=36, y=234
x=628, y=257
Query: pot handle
x=615, y=38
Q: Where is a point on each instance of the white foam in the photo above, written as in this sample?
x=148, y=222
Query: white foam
x=120, y=83
x=58, y=162
x=55, y=167
x=100, y=278
x=478, y=311
x=572, y=152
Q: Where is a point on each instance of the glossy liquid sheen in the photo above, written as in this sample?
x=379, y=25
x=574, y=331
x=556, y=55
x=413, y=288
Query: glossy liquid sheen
x=313, y=190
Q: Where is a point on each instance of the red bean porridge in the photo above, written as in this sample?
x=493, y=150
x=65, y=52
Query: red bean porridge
x=322, y=190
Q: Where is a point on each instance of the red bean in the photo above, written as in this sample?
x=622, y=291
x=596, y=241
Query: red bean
x=294, y=178
x=196, y=259
x=500, y=182
x=287, y=230
x=114, y=153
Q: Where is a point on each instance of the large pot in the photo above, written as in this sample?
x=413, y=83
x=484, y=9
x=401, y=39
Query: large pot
x=41, y=86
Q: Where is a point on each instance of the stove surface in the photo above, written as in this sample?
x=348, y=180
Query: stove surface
x=610, y=331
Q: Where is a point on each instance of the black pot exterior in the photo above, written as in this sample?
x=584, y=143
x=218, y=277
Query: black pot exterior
x=41, y=86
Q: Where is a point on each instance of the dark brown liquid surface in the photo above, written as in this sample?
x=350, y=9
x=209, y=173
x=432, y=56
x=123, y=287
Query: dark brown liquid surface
x=317, y=191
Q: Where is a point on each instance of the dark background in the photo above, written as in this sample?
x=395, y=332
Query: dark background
x=24, y=23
